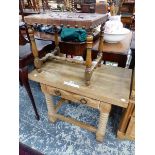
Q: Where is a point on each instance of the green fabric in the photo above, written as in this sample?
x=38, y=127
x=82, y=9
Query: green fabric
x=73, y=34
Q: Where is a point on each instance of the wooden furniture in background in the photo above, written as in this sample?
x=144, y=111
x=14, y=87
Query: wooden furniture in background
x=119, y=52
x=113, y=11
x=88, y=8
x=27, y=150
x=101, y=7
x=127, y=11
x=28, y=7
x=26, y=58
x=65, y=80
x=89, y=1
x=86, y=21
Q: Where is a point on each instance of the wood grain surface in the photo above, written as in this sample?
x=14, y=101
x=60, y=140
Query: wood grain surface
x=108, y=84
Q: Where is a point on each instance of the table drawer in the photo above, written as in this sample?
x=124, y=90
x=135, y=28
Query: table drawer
x=73, y=97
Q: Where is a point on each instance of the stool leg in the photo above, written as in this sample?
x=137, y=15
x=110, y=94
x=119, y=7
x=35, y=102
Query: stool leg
x=88, y=71
x=24, y=78
x=100, y=47
x=56, y=39
x=37, y=61
x=104, y=114
x=50, y=107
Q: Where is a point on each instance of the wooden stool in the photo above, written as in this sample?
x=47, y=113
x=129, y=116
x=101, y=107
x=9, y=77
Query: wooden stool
x=77, y=21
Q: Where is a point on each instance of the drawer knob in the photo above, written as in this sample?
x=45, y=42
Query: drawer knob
x=83, y=101
x=57, y=92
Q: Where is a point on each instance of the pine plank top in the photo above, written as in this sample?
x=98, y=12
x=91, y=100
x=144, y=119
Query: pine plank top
x=108, y=84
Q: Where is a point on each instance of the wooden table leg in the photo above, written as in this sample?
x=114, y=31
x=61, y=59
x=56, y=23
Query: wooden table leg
x=20, y=80
x=121, y=133
x=50, y=107
x=104, y=114
x=23, y=75
x=88, y=72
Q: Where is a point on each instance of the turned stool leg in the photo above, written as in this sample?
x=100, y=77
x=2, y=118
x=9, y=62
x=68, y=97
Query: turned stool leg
x=30, y=4
x=88, y=72
x=46, y=4
x=56, y=39
x=37, y=61
x=37, y=6
x=104, y=114
x=22, y=4
x=50, y=107
x=34, y=5
x=100, y=47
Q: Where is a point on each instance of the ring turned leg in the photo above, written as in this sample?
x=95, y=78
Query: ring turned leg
x=50, y=107
x=56, y=39
x=104, y=114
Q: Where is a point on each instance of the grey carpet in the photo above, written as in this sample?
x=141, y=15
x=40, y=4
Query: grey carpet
x=63, y=138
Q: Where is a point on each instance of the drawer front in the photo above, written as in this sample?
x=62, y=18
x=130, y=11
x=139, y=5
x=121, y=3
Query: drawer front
x=73, y=97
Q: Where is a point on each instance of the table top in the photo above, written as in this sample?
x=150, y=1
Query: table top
x=67, y=18
x=108, y=84
x=121, y=47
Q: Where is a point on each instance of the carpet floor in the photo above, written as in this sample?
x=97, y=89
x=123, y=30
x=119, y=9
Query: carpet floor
x=63, y=138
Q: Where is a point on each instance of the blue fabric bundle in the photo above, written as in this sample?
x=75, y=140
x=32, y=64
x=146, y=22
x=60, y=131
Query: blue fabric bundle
x=73, y=34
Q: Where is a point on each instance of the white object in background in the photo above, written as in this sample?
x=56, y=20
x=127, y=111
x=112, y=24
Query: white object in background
x=114, y=25
x=114, y=38
x=98, y=1
x=114, y=31
x=78, y=58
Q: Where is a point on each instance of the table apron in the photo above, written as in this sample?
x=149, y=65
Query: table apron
x=71, y=96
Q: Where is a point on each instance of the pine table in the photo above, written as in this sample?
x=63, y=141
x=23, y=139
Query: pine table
x=109, y=86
